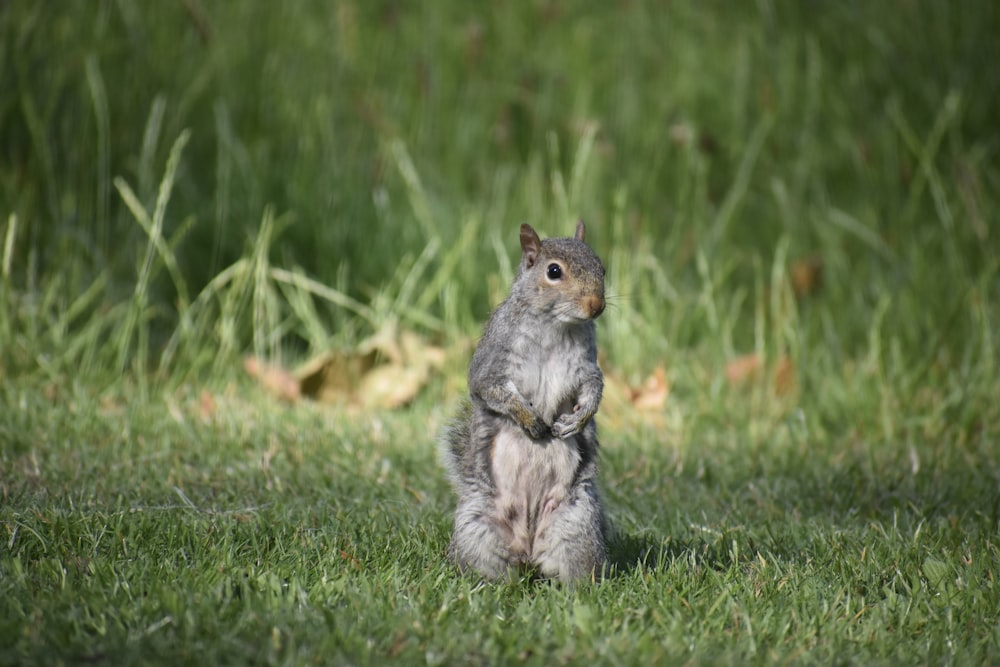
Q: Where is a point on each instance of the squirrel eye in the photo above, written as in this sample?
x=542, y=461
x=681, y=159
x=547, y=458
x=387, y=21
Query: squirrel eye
x=554, y=272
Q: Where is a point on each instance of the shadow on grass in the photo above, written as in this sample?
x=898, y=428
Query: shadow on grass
x=783, y=513
x=628, y=552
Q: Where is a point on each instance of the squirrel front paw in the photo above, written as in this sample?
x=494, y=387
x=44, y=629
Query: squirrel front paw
x=536, y=428
x=531, y=422
x=569, y=424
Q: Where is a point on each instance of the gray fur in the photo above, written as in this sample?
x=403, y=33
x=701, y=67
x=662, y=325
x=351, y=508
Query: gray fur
x=522, y=453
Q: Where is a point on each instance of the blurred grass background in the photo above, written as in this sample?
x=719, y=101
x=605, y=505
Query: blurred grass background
x=861, y=134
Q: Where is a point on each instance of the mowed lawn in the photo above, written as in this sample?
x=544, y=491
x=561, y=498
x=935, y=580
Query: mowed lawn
x=252, y=533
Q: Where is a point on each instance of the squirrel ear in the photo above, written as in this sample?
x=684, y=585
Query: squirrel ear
x=581, y=230
x=531, y=245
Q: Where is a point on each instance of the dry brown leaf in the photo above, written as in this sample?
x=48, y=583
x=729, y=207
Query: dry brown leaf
x=749, y=368
x=385, y=342
x=387, y=370
x=807, y=276
x=652, y=394
x=333, y=377
x=784, y=376
x=416, y=351
x=273, y=378
x=743, y=369
x=623, y=404
x=207, y=406
x=391, y=385
x=350, y=558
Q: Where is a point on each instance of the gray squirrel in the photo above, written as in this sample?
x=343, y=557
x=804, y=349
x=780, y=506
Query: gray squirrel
x=522, y=453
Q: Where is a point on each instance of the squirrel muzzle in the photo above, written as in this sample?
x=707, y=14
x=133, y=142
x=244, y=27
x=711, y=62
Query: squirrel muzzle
x=593, y=305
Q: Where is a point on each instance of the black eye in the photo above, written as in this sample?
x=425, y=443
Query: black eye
x=554, y=272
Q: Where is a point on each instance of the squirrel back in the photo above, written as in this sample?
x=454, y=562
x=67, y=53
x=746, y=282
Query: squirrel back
x=522, y=454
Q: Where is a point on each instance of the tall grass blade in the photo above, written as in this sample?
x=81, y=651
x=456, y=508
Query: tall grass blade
x=860, y=231
x=199, y=319
x=134, y=326
x=6, y=305
x=741, y=181
x=461, y=249
x=164, y=248
x=926, y=153
x=581, y=161
x=42, y=149
x=412, y=278
x=8, y=247
x=414, y=188
x=336, y=297
x=564, y=210
x=264, y=307
x=150, y=139
x=99, y=98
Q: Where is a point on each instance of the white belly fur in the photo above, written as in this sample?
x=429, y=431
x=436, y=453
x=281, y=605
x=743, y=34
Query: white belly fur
x=532, y=479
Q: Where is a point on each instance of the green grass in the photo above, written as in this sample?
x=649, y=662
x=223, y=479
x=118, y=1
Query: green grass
x=153, y=532
x=185, y=184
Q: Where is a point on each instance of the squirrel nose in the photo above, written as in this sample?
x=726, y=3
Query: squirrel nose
x=594, y=305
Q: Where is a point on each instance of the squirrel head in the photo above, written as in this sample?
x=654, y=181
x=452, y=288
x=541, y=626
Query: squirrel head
x=561, y=276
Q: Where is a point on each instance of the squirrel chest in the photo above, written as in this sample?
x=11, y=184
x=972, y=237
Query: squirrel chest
x=547, y=370
x=533, y=478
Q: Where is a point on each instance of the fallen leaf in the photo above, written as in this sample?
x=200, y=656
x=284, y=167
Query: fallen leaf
x=743, y=369
x=750, y=368
x=398, y=644
x=416, y=351
x=807, y=276
x=784, y=375
x=275, y=379
x=387, y=370
x=625, y=405
x=652, y=394
x=333, y=377
x=350, y=558
x=391, y=385
x=207, y=406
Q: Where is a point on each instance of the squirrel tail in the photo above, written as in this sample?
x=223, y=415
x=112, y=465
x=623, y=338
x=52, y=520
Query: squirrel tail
x=455, y=441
